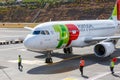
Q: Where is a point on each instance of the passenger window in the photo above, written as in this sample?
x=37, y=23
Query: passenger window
x=36, y=32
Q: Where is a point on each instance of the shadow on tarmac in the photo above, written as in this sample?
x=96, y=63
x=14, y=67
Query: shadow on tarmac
x=85, y=76
x=116, y=75
x=2, y=67
x=71, y=64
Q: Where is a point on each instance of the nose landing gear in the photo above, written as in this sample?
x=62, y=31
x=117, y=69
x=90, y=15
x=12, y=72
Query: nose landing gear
x=49, y=59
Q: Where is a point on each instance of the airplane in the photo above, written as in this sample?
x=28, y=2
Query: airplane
x=64, y=35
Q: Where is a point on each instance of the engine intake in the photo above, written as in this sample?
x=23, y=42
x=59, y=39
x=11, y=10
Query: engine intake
x=104, y=49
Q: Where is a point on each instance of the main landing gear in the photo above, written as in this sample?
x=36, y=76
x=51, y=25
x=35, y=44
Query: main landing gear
x=68, y=50
x=49, y=59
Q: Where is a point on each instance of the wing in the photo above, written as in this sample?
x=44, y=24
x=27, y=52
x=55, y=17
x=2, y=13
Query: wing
x=92, y=39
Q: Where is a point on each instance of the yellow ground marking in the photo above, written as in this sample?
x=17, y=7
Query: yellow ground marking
x=70, y=79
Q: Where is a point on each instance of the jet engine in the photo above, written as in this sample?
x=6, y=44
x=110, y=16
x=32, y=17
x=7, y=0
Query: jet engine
x=104, y=49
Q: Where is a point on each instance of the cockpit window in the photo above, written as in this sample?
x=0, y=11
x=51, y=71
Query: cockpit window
x=36, y=32
x=46, y=32
x=42, y=32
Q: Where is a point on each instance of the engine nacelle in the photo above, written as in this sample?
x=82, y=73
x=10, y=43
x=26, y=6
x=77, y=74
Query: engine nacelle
x=104, y=49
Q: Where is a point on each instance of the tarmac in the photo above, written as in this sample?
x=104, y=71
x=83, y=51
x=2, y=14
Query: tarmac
x=65, y=66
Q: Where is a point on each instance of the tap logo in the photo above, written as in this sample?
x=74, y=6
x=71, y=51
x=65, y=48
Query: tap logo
x=67, y=33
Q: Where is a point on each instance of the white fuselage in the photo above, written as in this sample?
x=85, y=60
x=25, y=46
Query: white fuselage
x=60, y=34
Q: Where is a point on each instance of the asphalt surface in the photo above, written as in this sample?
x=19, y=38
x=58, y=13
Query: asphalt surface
x=65, y=67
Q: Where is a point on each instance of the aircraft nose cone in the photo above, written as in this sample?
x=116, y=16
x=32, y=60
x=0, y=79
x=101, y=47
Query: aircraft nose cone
x=29, y=42
x=26, y=42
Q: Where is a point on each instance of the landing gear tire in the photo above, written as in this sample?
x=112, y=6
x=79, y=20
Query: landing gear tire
x=49, y=59
x=68, y=50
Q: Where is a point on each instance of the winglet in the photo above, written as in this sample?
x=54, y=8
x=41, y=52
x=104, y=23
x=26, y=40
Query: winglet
x=29, y=28
x=116, y=11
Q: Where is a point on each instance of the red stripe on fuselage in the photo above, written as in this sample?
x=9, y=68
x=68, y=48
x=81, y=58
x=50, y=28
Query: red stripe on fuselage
x=73, y=33
x=118, y=9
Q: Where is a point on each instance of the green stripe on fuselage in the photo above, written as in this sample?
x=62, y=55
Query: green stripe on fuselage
x=64, y=35
x=115, y=11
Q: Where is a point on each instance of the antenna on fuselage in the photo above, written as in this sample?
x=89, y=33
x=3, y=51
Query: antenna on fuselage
x=50, y=20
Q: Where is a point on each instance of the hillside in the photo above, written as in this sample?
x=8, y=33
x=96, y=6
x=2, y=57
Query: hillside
x=78, y=10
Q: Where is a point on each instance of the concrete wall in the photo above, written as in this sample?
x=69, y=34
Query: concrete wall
x=17, y=25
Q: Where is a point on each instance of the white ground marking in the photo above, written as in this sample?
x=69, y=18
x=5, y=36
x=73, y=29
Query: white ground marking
x=100, y=76
x=92, y=78
x=13, y=36
x=33, y=62
x=118, y=57
x=23, y=49
x=29, y=62
x=118, y=47
x=10, y=48
x=13, y=31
